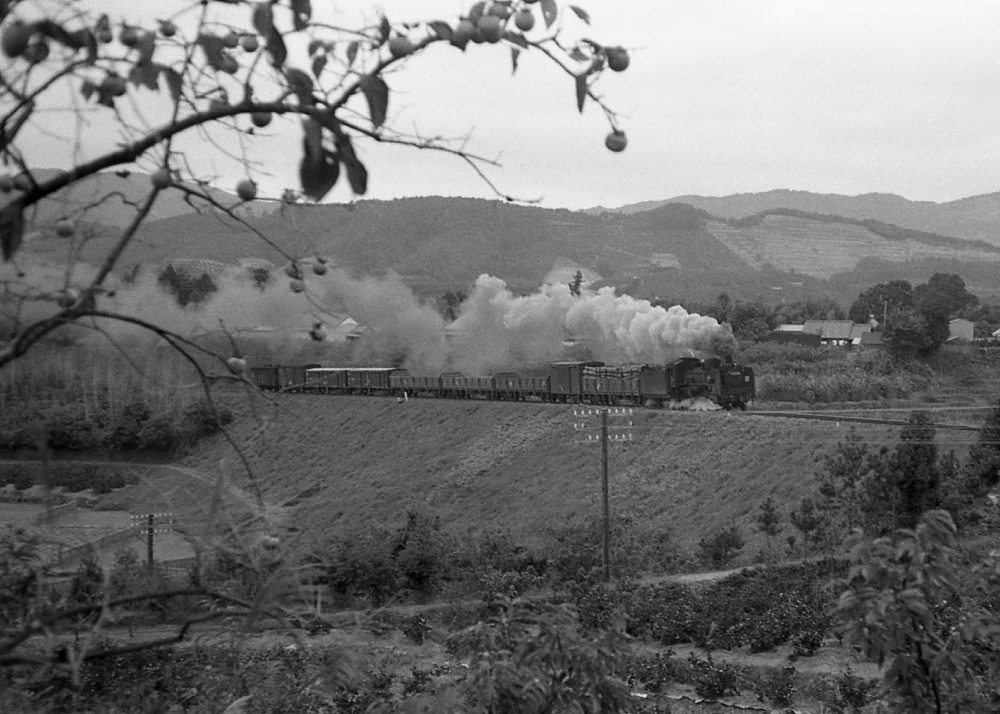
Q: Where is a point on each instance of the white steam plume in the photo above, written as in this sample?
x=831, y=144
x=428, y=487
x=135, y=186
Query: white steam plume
x=497, y=329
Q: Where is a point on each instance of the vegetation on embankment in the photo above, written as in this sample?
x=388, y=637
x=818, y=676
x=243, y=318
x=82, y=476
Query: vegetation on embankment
x=98, y=400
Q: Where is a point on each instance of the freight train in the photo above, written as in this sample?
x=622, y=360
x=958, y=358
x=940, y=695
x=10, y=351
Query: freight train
x=726, y=383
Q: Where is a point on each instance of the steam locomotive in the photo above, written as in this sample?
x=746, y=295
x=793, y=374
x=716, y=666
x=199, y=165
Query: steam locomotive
x=726, y=383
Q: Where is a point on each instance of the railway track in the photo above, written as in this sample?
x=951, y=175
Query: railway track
x=853, y=419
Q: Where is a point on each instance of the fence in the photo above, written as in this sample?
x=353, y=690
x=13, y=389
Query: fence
x=53, y=514
x=79, y=551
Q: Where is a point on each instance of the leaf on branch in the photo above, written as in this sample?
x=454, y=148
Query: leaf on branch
x=146, y=47
x=581, y=91
x=263, y=22
x=514, y=54
x=441, y=29
x=319, y=168
x=214, y=50
x=581, y=13
x=11, y=228
x=352, y=53
x=87, y=89
x=357, y=174
x=319, y=62
x=384, y=30
x=301, y=14
x=302, y=84
x=516, y=38
x=376, y=91
x=550, y=11
x=89, y=41
x=144, y=75
x=476, y=12
x=106, y=95
x=578, y=54
x=175, y=83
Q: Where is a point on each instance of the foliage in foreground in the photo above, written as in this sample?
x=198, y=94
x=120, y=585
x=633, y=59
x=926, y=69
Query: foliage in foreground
x=906, y=606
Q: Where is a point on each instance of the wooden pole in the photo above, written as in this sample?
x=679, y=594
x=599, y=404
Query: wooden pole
x=149, y=540
x=604, y=485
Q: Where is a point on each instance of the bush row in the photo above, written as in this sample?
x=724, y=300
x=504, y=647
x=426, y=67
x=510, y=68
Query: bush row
x=761, y=609
x=713, y=679
x=423, y=559
x=68, y=476
x=138, y=426
x=850, y=386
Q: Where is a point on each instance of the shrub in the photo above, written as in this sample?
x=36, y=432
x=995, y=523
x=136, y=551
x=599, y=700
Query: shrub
x=853, y=692
x=666, y=613
x=653, y=672
x=598, y=607
x=711, y=680
x=721, y=547
x=777, y=687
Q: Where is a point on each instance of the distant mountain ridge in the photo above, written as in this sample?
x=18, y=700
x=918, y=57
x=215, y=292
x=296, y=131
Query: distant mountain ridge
x=110, y=198
x=676, y=251
x=974, y=218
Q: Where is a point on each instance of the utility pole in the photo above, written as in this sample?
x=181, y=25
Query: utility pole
x=605, y=489
x=146, y=523
x=622, y=432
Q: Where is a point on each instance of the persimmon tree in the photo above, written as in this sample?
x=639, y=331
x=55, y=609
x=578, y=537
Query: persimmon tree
x=220, y=70
x=206, y=79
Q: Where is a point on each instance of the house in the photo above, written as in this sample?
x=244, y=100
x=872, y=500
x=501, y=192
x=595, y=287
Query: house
x=821, y=332
x=832, y=332
x=797, y=337
x=347, y=331
x=961, y=330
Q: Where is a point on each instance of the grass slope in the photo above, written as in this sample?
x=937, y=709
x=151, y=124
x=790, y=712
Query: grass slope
x=487, y=464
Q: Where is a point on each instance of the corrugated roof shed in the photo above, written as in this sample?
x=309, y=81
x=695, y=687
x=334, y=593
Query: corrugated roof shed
x=829, y=329
x=857, y=330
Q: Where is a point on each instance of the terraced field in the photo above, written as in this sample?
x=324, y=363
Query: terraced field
x=824, y=249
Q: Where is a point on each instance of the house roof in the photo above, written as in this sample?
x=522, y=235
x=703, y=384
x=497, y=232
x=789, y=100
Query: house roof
x=871, y=339
x=829, y=329
x=859, y=329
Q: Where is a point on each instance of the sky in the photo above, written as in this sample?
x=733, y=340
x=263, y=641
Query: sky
x=721, y=97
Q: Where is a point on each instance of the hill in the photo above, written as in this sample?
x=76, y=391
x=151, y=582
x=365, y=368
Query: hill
x=974, y=218
x=108, y=199
x=675, y=252
x=481, y=465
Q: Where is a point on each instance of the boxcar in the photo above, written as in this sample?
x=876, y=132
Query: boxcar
x=293, y=378
x=326, y=380
x=265, y=378
x=369, y=380
x=566, y=380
